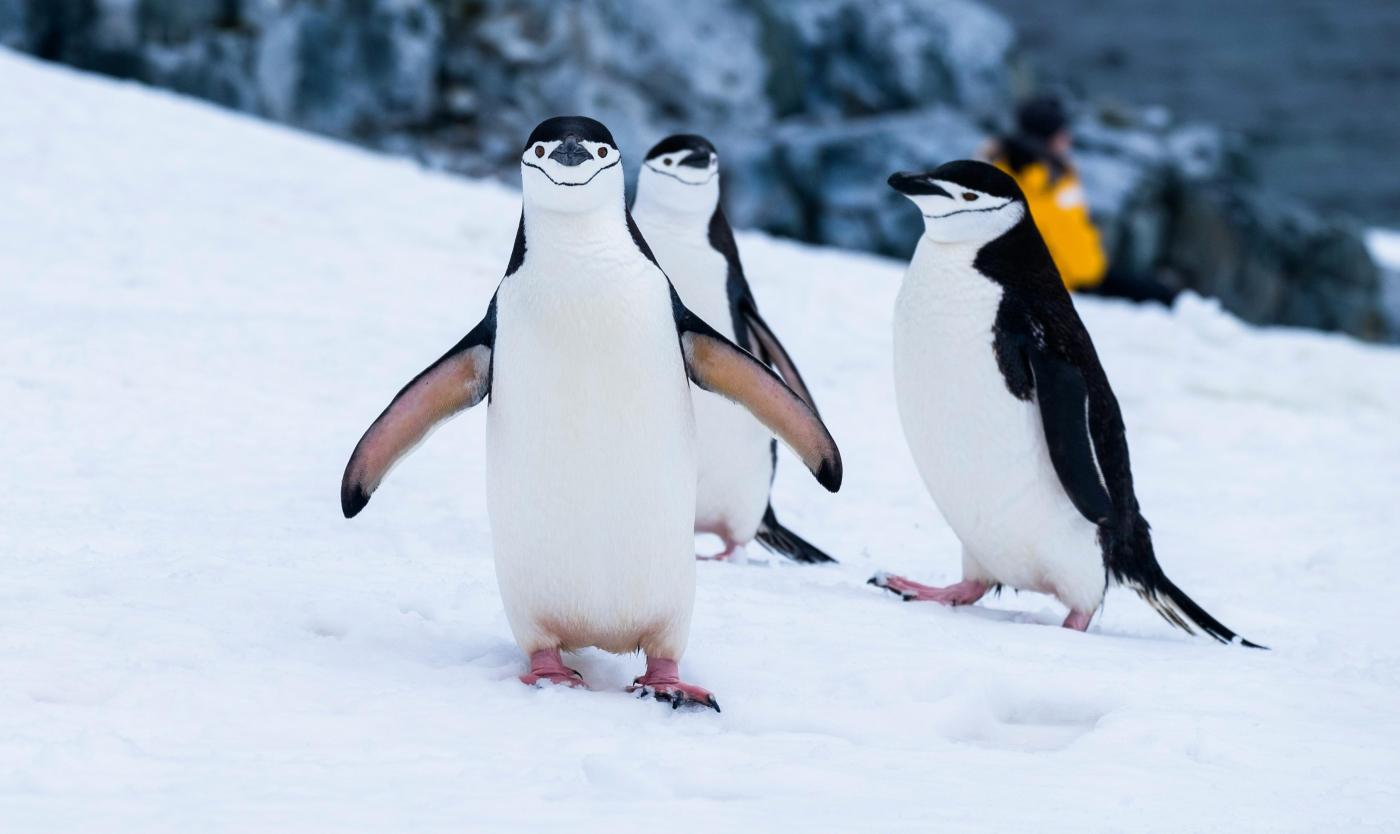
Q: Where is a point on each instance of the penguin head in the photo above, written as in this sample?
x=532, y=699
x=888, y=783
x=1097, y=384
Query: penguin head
x=571, y=164
x=963, y=201
x=681, y=174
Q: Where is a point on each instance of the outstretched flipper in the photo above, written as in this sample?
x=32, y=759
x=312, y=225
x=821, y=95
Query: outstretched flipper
x=1088, y=448
x=716, y=364
x=750, y=330
x=769, y=349
x=454, y=383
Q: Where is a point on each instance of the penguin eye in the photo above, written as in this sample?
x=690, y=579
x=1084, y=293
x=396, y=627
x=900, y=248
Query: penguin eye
x=539, y=151
x=602, y=152
x=969, y=196
x=666, y=162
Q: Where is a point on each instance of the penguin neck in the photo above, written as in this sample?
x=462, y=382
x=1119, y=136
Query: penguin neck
x=944, y=275
x=595, y=230
x=937, y=255
x=691, y=219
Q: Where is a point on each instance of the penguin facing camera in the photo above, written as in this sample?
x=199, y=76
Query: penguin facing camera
x=678, y=209
x=585, y=357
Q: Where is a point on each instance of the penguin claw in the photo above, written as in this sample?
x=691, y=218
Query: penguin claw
x=882, y=580
x=677, y=695
x=681, y=699
x=573, y=679
x=965, y=592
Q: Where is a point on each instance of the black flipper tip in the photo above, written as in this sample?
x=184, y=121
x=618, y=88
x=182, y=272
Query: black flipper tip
x=353, y=498
x=829, y=474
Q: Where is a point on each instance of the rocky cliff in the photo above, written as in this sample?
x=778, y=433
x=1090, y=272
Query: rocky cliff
x=812, y=103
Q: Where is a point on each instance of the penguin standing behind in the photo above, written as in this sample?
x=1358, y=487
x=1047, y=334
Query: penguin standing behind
x=1009, y=414
x=678, y=210
x=584, y=355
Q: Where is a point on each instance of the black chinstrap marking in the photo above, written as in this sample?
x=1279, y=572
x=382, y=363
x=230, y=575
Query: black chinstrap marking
x=966, y=211
x=709, y=180
x=615, y=163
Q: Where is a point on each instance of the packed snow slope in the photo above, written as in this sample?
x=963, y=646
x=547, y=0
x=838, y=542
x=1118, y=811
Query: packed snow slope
x=199, y=315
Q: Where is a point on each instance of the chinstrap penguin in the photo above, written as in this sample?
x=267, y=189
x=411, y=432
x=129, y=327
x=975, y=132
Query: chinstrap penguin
x=1009, y=415
x=678, y=209
x=585, y=356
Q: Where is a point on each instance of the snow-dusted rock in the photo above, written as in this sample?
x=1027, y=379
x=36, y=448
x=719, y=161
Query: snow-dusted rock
x=813, y=104
x=825, y=182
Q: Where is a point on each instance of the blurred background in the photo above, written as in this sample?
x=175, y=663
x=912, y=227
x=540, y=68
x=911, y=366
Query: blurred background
x=1242, y=149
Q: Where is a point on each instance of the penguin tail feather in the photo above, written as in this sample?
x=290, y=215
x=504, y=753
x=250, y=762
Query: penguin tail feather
x=779, y=539
x=1134, y=563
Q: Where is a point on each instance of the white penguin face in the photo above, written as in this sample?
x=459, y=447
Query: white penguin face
x=684, y=180
x=966, y=215
x=571, y=164
x=956, y=211
x=678, y=186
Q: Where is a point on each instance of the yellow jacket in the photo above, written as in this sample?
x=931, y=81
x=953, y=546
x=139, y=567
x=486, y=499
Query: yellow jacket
x=1062, y=216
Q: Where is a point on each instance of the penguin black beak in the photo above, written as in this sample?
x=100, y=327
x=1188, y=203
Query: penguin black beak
x=570, y=152
x=910, y=183
x=696, y=159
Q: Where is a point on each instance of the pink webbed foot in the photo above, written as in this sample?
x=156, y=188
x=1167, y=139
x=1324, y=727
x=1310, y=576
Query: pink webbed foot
x=965, y=592
x=547, y=666
x=733, y=550
x=662, y=681
x=1078, y=620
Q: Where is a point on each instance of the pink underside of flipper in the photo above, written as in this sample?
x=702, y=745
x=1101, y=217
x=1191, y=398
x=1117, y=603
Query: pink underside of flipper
x=547, y=666
x=663, y=682
x=965, y=592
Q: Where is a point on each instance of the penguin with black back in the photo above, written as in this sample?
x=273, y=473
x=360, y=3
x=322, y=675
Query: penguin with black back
x=678, y=209
x=585, y=357
x=1009, y=415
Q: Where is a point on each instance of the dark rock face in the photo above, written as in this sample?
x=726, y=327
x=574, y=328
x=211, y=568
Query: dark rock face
x=1312, y=83
x=825, y=182
x=1271, y=263
x=349, y=68
x=812, y=104
x=1171, y=202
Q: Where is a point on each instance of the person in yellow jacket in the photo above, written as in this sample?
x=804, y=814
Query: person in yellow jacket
x=1037, y=156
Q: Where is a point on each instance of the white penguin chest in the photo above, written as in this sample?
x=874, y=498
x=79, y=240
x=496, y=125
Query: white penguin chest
x=698, y=271
x=981, y=451
x=590, y=452
x=735, y=456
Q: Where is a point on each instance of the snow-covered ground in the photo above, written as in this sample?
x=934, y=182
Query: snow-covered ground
x=199, y=314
